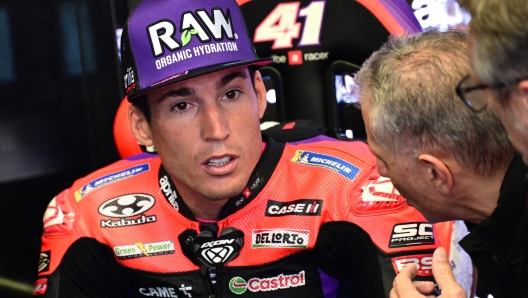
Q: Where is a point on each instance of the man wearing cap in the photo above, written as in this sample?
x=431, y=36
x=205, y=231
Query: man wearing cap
x=221, y=211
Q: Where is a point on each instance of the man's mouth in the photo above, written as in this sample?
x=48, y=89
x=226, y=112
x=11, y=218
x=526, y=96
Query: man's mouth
x=218, y=162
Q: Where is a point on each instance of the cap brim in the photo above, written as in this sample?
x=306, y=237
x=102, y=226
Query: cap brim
x=198, y=72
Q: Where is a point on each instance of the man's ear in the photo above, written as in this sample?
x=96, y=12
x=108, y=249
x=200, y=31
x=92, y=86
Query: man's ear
x=139, y=126
x=260, y=90
x=437, y=172
x=523, y=88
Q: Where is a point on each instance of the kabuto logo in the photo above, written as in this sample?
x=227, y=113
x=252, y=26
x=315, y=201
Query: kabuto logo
x=411, y=234
x=238, y=285
x=305, y=207
x=127, y=206
x=217, y=26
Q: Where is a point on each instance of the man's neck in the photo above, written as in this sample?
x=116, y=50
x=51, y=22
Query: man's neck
x=477, y=195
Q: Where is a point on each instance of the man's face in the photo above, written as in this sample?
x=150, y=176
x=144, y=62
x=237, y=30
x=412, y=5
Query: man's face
x=405, y=173
x=511, y=108
x=207, y=131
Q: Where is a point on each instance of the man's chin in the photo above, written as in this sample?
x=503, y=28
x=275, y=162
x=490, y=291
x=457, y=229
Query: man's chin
x=223, y=192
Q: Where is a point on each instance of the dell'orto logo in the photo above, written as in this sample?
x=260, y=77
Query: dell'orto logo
x=411, y=234
x=204, y=26
x=275, y=238
x=127, y=205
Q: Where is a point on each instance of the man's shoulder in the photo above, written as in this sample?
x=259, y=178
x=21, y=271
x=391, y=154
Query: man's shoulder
x=117, y=172
x=349, y=150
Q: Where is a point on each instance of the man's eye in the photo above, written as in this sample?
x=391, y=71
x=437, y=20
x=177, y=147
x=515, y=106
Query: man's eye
x=232, y=95
x=181, y=106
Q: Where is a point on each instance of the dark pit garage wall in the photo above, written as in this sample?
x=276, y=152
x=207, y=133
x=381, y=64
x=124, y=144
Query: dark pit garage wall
x=59, y=90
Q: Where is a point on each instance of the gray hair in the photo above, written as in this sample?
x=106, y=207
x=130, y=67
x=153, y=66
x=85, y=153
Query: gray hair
x=410, y=85
x=499, y=29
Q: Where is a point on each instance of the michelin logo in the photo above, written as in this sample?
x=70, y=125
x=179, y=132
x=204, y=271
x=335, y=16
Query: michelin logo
x=335, y=164
x=111, y=178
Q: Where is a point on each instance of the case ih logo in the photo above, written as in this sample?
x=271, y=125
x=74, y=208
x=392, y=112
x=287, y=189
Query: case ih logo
x=275, y=238
x=410, y=234
x=238, y=285
x=424, y=264
x=127, y=206
x=306, y=207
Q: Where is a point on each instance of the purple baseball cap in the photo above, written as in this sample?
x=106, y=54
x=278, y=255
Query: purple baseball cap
x=167, y=41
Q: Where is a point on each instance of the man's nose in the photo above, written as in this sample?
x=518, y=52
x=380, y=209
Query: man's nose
x=215, y=123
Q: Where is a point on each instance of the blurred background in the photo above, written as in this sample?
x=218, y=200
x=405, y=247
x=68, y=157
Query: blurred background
x=61, y=86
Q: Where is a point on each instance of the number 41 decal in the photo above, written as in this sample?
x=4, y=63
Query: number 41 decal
x=281, y=26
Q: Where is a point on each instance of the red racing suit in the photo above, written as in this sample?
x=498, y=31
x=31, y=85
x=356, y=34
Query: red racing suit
x=315, y=220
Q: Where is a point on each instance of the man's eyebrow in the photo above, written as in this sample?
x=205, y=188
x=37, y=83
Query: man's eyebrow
x=185, y=91
x=229, y=77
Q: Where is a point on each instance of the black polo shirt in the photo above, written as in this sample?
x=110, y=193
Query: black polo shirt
x=498, y=246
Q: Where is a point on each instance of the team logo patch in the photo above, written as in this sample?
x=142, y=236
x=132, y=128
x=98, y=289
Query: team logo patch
x=169, y=193
x=305, y=207
x=40, y=286
x=44, y=261
x=238, y=285
x=335, y=164
x=165, y=291
x=218, y=251
x=140, y=249
x=280, y=238
x=381, y=190
x=424, y=263
x=56, y=220
x=125, y=207
x=411, y=234
x=110, y=178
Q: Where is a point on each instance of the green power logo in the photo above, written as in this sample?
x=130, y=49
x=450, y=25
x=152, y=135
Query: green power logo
x=237, y=285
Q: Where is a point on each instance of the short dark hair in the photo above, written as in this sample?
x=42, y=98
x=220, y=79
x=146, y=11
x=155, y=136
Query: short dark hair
x=142, y=104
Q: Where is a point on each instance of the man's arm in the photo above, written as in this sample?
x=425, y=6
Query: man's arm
x=73, y=265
